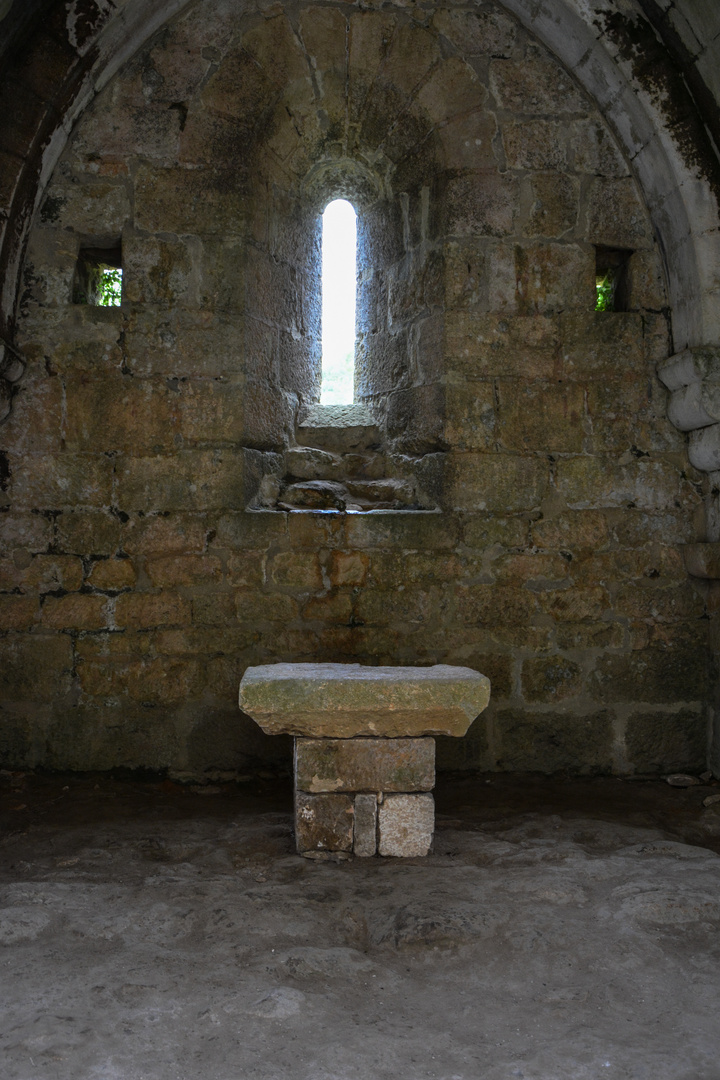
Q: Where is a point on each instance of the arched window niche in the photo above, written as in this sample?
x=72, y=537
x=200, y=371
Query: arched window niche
x=368, y=434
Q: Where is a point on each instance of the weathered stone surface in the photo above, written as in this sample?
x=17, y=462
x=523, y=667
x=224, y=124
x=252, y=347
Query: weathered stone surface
x=339, y=428
x=491, y=389
x=551, y=742
x=676, y=670
x=477, y=33
x=616, y=215
x=345, y=700
x=314, y=495
x=551, y=678
x=18, y=612
x=665, y=741
x=406, y=824
x=702, y=560
x=323, y=822
x=534, y=86
x=364, y=764
x=112, y=574
x=365, y=829
x=35, y=667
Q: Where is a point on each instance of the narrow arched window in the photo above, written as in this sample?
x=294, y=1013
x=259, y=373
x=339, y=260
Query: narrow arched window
x=339, y=276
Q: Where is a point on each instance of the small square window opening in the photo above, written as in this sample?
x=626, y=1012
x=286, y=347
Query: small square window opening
x=98, y=277
x=611, y=279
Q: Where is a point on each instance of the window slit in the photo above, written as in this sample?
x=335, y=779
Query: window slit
x=339, y=285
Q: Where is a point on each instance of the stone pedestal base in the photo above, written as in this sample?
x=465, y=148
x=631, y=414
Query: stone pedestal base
x=364, y=747
x=364, y=796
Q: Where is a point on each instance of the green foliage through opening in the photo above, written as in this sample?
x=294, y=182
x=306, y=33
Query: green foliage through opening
x=605, y=300
x=109, y=287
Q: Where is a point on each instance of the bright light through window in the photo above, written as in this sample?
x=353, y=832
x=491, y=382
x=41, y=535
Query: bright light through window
x=339, y=245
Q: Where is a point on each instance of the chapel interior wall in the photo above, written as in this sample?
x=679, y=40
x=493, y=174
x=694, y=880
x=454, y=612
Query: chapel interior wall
x=137, y=583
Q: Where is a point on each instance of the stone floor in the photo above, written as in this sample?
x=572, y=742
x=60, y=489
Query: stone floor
x=563, y=930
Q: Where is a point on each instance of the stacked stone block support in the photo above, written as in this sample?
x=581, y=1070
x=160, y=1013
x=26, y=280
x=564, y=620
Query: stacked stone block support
x=364, y=796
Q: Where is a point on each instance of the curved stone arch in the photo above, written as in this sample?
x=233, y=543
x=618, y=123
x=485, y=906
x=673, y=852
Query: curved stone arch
x=98, y=60
x=683, y=204
x=681, y=200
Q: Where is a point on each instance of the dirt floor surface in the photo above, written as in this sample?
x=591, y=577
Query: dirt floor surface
x=563, y=929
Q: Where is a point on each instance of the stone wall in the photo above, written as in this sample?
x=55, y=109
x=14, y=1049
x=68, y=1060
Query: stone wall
x=137, y=584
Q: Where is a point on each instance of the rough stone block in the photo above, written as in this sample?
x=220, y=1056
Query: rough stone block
x=61, y=480
x=594, y=482
x=345, y=700
x=17, y=612
x=616, y=216
x=365, y=831
x=702, y=560
x=482, y=205
x=323, y=822
x=540, y=416
x=226, y=91
x=470, y=416
x=499, y=483
x=394, y=607
x=664, y=741
x=534, y=86
x=164, y=534
x=252, y=605
x=595, y=150
x=76, y=611
x=477, y=33
x=29, y=532
x=82, y=532
x=119, y=414
x=550, y=678
x=551, y=742
x=423, y=530
x=298, y=569
x=188, y=480
x=467, y=141
x=246, y=569
x=329, y=608
x=35, y=668
x=544, y=277
x=169, y=200
x=184, y=570
x=252, y=529
x=158, y=271
x=365, y=764
x=139, y=610
x=535, y=145
x=676, y=670
x=94, y=208
x=277, y=50
x=406, y=824
x=478, y=346
x=348, y=568
x=555, y=205
x=45, y=573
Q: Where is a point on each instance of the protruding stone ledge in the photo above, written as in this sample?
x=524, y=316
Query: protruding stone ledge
x=694, y=406
x=347, y=700
x=690, y=366
x=704, y=448
x=702, y=560
x=693, y=379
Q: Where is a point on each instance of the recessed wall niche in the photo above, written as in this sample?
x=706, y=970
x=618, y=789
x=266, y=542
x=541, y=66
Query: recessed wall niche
x=384, y=451
x=98, y=275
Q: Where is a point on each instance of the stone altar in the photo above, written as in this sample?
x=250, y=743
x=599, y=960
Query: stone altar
x=364, y=749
